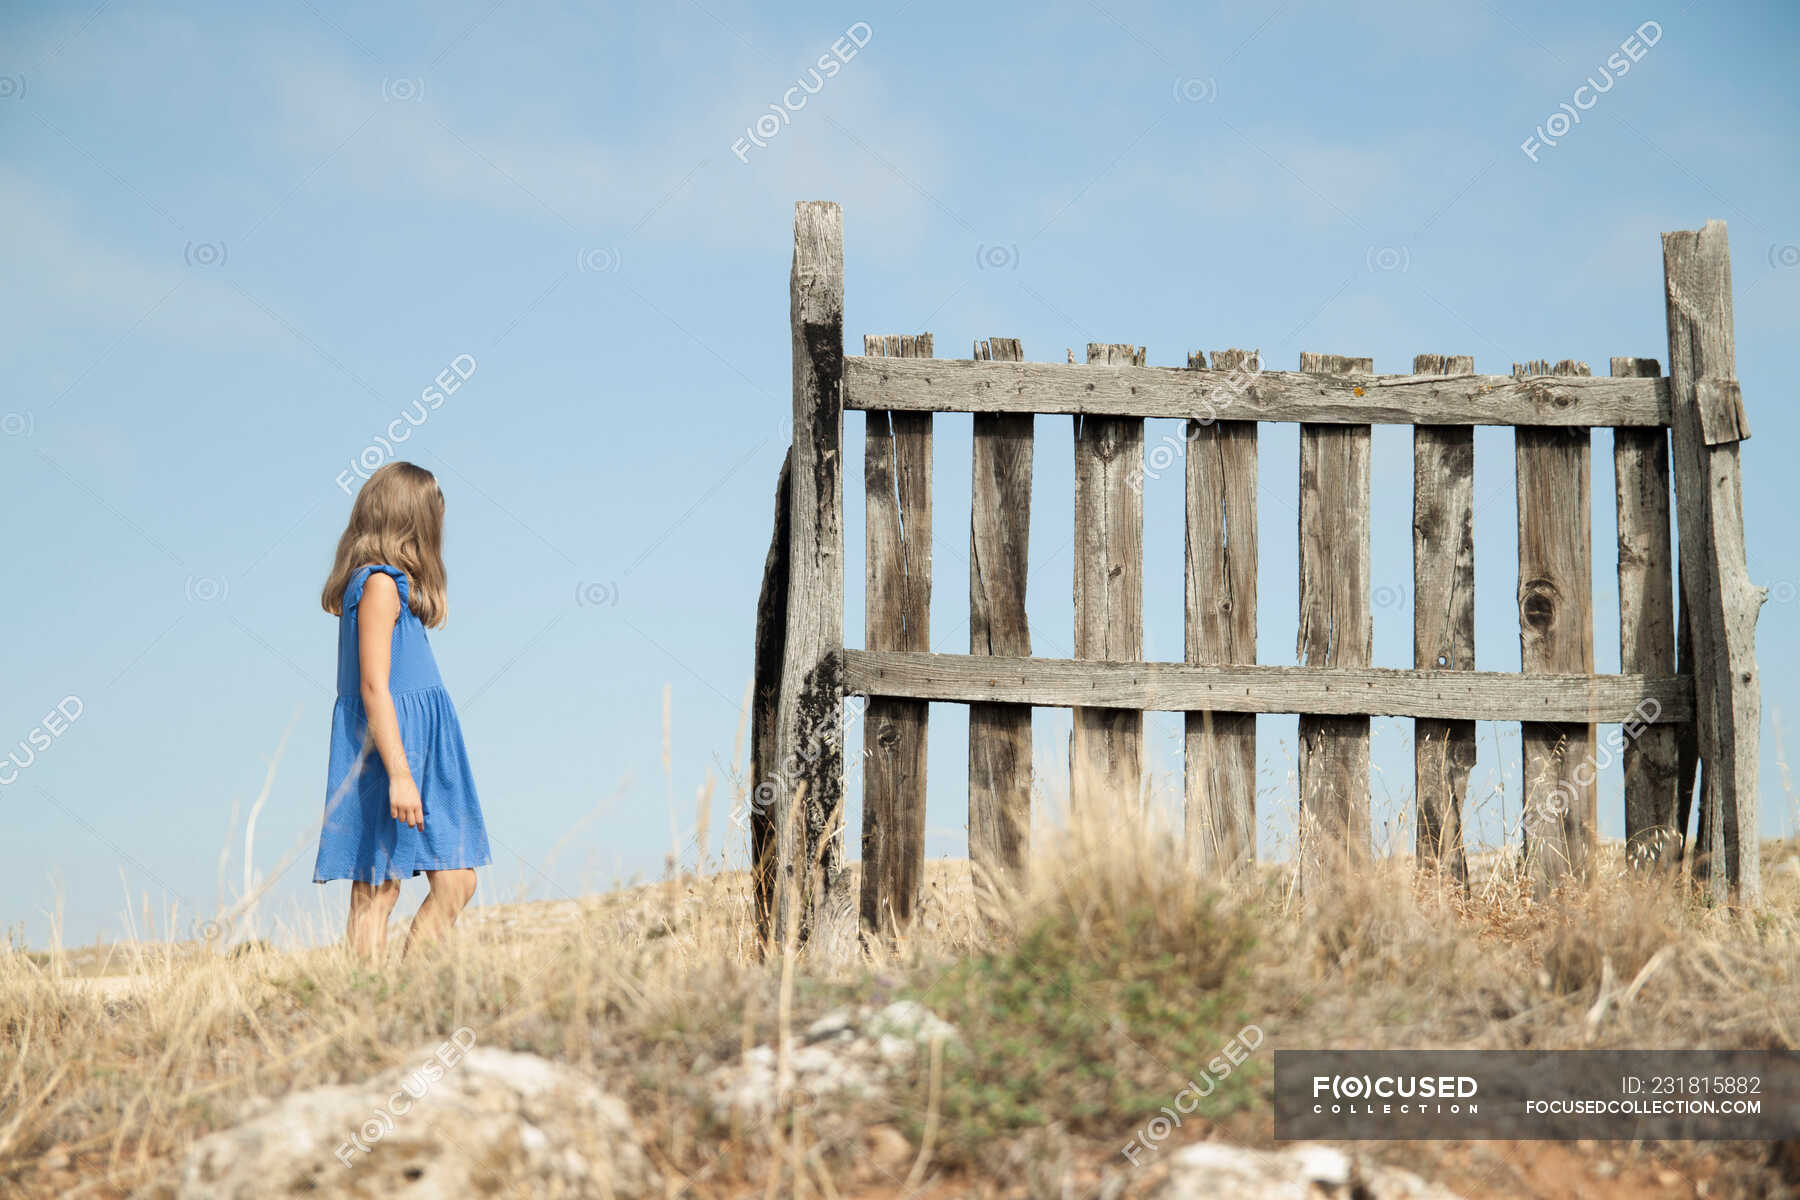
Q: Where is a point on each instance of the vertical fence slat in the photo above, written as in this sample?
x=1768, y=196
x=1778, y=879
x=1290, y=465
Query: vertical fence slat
x=1443, y=617
x=1556, y=635
x=999, y=540
x=1221, y=624
x=767, y=776
x=897, y=479
x=1105, y=747
x=1715, y=574
x=810, y=714
x=1336, y=629
x=1646, y=625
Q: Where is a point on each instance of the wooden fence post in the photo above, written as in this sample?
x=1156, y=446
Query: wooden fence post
x=1443, y=604
x=1556, y=634
x=1220, y=619
x=1000, y=765
x=1646, y=627
x=1105, y=747
x=809, y=749
x=1719, y=603
x=1336, y=630
x=897, y=607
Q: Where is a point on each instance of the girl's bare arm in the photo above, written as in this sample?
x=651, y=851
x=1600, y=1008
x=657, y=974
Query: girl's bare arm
x=379, y=610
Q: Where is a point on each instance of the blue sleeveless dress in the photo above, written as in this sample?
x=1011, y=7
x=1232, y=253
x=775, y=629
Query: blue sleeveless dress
x=360, y=839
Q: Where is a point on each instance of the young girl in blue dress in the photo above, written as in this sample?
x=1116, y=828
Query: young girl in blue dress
x=400, y=798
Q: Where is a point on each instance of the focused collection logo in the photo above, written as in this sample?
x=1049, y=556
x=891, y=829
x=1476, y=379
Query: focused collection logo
x=1394, y=1095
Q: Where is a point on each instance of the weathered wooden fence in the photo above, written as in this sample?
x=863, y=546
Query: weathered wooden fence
x=1687, y=695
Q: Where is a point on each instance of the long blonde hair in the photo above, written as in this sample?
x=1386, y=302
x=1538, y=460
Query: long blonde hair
x=397, y=519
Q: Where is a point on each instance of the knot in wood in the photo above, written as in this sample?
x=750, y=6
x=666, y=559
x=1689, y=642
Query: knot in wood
x=1538, y=602
x=888, y=736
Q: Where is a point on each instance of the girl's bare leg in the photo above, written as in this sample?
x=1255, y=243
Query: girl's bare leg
x=450, y=891
x=370, y=906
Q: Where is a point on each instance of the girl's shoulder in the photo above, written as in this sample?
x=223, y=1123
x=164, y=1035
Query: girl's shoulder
x=359, y=579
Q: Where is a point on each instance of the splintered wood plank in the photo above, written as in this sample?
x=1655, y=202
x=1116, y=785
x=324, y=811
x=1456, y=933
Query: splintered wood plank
x=999, y=542
x=1443, y=617
x=960, y=386
x=809, y=729
x=767, y=776
x=1687, y=739
x=1105, y=746
x=1336, y=629
x=1556, y=635
x=1715, y=576
x=897, y=478
x=1221, y=621
x=1318, y=691
x=1646, y=627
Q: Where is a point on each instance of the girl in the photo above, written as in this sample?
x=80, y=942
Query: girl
x=400, y=797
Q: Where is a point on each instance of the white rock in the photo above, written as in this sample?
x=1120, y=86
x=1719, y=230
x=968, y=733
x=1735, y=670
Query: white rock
x=1304, y=1172
x=492, y=1120
x=1323, y=1165
x=840, y=1054
x=839, y=1022
x=911, y=1020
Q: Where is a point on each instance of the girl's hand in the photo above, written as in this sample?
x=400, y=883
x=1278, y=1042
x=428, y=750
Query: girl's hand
x=404, y=803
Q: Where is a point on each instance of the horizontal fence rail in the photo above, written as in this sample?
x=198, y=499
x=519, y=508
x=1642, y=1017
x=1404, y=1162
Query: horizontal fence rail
x=961, y=385
x=1314, y=691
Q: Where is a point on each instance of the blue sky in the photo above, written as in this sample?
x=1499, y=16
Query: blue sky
x=243, y=238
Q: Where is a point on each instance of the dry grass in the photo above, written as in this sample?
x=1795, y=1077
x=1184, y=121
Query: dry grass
x=1085, y=1006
